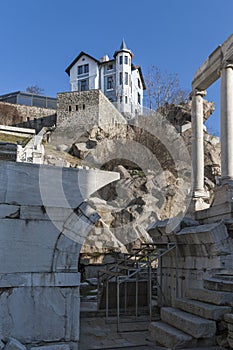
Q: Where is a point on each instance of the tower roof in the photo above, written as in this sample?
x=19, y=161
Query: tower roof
x=123, y=45
x=123, y=48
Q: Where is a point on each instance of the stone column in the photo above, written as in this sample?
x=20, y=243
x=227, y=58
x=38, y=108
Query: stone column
x=198, y=144
x=227, y=122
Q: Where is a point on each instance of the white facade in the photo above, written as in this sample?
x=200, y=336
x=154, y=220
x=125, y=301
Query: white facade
x=118, y=79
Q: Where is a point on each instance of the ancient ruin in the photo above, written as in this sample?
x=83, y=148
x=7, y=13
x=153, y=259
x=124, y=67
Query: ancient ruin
x=117, y=209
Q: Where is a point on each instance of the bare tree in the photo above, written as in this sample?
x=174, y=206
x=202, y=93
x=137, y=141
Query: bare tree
x=35, y=89
x=163, y=88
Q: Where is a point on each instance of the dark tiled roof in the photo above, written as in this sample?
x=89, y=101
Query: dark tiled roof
x=82, y=53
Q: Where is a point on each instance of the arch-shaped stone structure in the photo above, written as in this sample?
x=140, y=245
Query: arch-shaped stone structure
x=39, y=250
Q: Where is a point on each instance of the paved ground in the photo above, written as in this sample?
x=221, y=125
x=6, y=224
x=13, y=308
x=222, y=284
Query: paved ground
x=97, y=334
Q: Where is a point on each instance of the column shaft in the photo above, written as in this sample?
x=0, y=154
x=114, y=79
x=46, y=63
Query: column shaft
x=198, y=144
x=227, y=123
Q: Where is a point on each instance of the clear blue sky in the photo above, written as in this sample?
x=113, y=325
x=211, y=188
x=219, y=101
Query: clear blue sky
x=40, y=38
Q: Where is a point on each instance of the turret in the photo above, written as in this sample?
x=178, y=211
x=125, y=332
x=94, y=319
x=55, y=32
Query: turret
x=123, y=59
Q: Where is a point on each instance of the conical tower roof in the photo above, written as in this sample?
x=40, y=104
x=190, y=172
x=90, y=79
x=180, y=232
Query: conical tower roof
x=123, y=45
x=123, y=48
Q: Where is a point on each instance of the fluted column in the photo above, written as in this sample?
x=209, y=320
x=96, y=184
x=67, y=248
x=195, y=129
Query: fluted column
x=198, y=143
x=227, y=122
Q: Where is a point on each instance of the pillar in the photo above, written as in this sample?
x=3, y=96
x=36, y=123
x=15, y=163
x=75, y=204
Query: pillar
x=227, y=122
x=198, y=143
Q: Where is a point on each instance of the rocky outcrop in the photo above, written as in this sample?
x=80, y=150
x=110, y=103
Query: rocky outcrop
x=154, y=164
x=181, y=114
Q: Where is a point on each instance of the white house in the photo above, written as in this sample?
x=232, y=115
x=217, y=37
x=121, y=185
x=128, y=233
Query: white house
x=117, y=78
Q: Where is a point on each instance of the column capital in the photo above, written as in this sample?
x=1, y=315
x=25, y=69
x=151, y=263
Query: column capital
x=197, y=92
x=225, y=65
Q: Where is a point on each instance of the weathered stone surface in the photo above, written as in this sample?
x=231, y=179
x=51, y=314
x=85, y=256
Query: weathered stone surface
x=14, y=344
x=49, y=186
x=52, y=347
x=44, y=213
x=218, y=284
x=49, y=314
x=210, y=296
x=26, y=116
x=61, y=279
x=195, y=326
x=205, y=240
x=27, y=246
x=9, y=211
x=169, y=336
x=205, y=310
x=229, y=318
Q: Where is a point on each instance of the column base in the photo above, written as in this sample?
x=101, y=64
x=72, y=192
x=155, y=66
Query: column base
x=196, y=205
x=201, y=194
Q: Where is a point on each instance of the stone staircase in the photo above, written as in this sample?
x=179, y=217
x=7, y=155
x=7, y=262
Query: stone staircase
x=194, y=319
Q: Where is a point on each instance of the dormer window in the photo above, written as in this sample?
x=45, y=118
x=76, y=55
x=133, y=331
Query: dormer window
x=83, y=69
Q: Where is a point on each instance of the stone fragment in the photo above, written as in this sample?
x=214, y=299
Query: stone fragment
x=52, y=347
x=14, y=344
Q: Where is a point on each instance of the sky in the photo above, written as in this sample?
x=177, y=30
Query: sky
x=40, y=38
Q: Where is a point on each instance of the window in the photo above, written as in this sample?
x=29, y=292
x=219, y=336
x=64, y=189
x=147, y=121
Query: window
x=126, y=99
x=84, y=69
x=120, y=60
x=70, y=108
x=139, y=98
x=109, y=66
x=126, y=59
x=126, y=78
x=110, y=82
x=120, y=98
x=120, y=78
x=76, y=108
x=139, y=84
x=83, y=85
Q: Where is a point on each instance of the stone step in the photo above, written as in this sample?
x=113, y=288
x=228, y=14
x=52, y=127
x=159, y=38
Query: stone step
x=219, y=284
x=210, y=296
x=199, y=308
x=193, y=325
x=170, y=337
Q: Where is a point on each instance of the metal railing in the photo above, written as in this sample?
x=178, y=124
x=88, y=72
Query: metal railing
x=142, y=265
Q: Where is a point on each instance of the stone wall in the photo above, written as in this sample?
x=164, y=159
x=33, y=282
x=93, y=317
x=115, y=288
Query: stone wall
x=202, y=251
x=26, y=116
x=43, y=223
x=80, y=111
